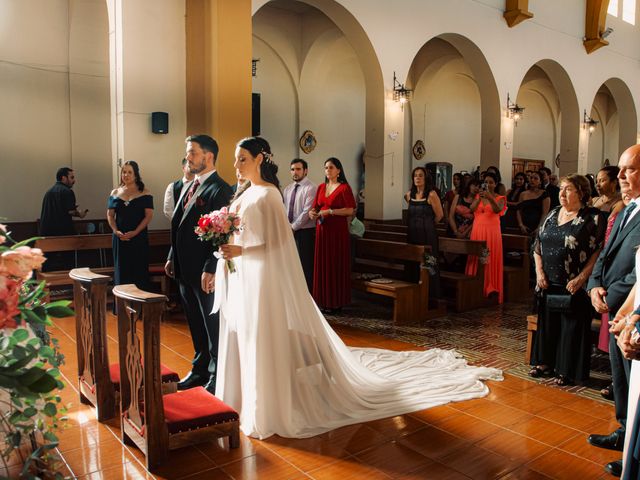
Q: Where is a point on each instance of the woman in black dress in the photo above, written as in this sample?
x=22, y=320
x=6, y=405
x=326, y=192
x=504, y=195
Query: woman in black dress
x=425, y=210
x=567, y=246
x=129, y=211
x=533, y=206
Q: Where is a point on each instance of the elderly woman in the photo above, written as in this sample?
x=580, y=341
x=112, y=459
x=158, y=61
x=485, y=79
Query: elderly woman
x=566, y=248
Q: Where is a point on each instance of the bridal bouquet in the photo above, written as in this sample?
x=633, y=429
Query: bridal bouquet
x=217, y=227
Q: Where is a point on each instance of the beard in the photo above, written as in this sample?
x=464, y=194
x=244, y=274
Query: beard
x=196, y=168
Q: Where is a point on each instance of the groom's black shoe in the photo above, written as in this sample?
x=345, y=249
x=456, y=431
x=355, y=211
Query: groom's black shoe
x=192, y=380
x=614, y=441
x=614, y=468
x=211, y=386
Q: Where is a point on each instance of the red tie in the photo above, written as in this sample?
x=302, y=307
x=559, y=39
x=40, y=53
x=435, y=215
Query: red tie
x=190, y=192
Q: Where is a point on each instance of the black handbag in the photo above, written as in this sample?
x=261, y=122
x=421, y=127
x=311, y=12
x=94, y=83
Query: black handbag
x=558, y=302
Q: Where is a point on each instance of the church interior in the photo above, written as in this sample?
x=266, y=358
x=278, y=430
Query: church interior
x=461, y=85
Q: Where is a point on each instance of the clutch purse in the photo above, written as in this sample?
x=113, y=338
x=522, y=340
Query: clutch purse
x=558, y=302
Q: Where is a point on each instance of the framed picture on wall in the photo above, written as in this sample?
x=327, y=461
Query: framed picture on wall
x=524, y=164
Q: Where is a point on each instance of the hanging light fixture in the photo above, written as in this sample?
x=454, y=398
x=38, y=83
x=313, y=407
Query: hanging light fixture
x=589, y=123
x=400, y=92
x=254, y=67
x=514, y=111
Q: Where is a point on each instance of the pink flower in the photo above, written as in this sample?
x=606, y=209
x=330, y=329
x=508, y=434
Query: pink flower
x=20, y=262
x=3, y=233
x=9, y=298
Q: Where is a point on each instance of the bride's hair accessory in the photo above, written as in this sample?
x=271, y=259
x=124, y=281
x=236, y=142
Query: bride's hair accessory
x=267, y=156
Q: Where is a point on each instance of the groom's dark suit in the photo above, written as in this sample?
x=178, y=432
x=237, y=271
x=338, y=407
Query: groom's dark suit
x=191, y=257
x=615, y=272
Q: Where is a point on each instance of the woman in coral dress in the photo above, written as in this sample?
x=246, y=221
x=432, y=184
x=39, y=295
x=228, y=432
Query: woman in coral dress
x=487, y=208
x=332, y=208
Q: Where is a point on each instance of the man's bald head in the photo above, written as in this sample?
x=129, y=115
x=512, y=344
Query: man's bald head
x=629, y=175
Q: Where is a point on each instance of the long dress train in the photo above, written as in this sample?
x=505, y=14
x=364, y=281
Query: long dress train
x=283, y=367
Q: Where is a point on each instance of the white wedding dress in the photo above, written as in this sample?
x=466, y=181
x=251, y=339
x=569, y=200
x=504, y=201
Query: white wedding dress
x=284, y=369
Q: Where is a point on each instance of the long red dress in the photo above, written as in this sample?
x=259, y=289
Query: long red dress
x=332, y=260
x=486, y=226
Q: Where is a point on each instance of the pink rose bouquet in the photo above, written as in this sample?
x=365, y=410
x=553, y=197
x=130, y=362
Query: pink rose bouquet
x=217, y=227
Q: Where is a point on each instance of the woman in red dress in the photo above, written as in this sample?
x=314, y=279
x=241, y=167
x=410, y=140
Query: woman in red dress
x=487, y=208
x=332, y=208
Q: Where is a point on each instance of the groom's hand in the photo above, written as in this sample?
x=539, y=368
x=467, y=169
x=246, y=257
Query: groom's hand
x=208, y=282
x=168, y=269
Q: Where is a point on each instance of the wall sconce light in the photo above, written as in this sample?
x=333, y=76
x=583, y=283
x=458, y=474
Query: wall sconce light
x=514, y=111
x=400, y=92
x=589, y=123
x=254, y=67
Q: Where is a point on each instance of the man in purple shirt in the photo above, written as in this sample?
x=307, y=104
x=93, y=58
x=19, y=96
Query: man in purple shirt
x=298, y=198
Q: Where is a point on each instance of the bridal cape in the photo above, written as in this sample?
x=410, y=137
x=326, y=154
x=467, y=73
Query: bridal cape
x=281, y=365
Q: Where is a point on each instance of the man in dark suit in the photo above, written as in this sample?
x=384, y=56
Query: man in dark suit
x=550, y=188
x=192, y=262
x=611, y=281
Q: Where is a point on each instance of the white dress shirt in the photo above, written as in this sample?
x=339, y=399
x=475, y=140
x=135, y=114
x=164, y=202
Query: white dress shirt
x=304, y=199
x=169, y=203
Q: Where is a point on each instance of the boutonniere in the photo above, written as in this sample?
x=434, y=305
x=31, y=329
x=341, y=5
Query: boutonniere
x=200, y=202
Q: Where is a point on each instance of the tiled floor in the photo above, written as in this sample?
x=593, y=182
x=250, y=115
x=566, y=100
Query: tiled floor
x=522, y=430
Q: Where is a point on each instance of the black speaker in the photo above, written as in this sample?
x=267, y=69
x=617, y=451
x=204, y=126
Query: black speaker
x=255, y=114
x=160, y=122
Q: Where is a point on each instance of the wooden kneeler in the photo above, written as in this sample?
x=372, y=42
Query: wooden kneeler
x=98, y=381
x=154, y=422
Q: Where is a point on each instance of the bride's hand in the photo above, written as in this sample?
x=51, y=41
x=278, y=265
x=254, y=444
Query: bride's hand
x=229, y=251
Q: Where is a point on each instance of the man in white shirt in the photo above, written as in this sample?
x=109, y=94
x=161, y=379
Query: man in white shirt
x=175, y=190
x=298, y=198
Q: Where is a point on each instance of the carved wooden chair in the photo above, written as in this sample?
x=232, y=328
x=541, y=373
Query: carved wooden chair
x=98, y=381
x=154, y=422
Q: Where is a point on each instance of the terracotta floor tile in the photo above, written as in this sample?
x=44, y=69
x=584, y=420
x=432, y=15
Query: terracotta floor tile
x=82, y=437
x=433, y=442
x=498, y=414
x=389, y=344
x=404, y=459
x=569, y=418
x=433, y=470
x=476, y=462
x=605, y=427
x=561, y=465
x=524, y=473
x=110, y=454
x=398, y=426
x=468, y=427
x=347, y=469
x=215, y=474
x=219, y=451
x=551, y=394
x=518, y=384
x=354, y=438
x=182, y=462
x=264, y=464
x=524, y=401
x=602, y=410
x=306, y=453
x=579, y=446
x=126, y=471
x=513, y=446
x=435, y=415
x=544, y=431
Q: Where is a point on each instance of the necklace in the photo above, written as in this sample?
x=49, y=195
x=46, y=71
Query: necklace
x=565, y=215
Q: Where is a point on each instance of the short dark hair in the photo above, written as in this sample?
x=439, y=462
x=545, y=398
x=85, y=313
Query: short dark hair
x=304, y=163
x=206, y=143
x=63, y=172
x=581, y=184
x=544, y=169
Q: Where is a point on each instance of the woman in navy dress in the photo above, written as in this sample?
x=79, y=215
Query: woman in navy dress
x=129, y=211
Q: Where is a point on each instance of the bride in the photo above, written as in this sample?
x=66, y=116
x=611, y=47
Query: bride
x=281, y=366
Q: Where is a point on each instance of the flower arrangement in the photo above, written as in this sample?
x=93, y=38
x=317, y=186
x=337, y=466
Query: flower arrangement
x=217, y=227
x=430, y=262
x=484, y=256
x=30, y=407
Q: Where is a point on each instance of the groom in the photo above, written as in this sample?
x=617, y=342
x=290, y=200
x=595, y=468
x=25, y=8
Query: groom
x=191, y=261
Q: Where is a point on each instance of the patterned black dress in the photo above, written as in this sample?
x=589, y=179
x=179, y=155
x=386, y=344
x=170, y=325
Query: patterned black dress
x=131, y=258
x=562, y=341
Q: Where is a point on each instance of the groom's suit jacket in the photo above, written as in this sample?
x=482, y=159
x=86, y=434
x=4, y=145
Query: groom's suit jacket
x=191, y=256
x=615, y=268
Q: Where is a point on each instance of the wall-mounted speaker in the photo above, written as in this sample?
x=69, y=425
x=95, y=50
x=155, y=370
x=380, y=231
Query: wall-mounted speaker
x=160, y=122
x=255, y=114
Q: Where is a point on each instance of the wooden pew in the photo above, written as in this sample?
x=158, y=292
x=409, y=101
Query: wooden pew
x=154, y=422
x=392, y=260
x=75, y=243
x=466, y=290
x=516, y=269
x=98, y=380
